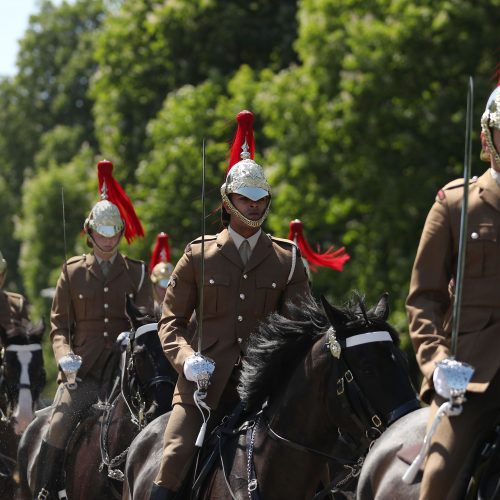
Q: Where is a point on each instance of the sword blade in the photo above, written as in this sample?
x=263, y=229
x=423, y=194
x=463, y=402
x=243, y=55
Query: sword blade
x=463, y=221
x=200, y=308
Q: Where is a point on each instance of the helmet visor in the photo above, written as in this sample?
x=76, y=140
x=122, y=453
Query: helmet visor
x=253, y=193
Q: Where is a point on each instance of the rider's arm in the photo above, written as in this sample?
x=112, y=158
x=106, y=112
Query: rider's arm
x=428, y=302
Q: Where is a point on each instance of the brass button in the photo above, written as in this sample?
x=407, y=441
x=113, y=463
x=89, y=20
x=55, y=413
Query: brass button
x=274, y=285
x=106, y=289
x=105, y=334
x=211, y=281
x=242, y=296
x=106, y=320
x=106, y=306
x=474, y=236
x=131, y=295
x=240, y=340
x=240, y=318
x=80, y=296
x=245, y=276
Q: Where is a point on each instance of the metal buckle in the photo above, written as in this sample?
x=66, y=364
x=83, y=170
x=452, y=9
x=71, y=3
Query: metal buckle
x=376, y=421
x=340, y=386
x=252, y=485
x=43, y=494
x=348, y=376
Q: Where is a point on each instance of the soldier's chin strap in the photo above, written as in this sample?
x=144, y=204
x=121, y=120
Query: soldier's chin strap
x=234, y=211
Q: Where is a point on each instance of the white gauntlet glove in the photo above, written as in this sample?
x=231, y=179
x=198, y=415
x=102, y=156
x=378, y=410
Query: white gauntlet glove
x=440, y=383
x=198, y=368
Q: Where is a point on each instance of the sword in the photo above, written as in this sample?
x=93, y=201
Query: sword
x=463, y=221
x=71, y=362
x=200, y=309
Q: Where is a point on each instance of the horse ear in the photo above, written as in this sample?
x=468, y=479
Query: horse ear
x=336, y=316
x=381, y=310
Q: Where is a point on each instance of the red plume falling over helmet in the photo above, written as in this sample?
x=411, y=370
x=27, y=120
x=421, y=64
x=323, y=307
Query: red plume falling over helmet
x=161, y=251
x=104, y=217
x=244, y=176
x=333, y=259
x=160, y=267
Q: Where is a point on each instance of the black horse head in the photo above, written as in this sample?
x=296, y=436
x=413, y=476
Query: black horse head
x=334, y=367
x=151, y=378
x=22, y=373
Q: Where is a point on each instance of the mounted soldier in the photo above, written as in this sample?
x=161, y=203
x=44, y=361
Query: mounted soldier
x=88, y=314
x=247, y=275
x=161, y=269
x=430, y=308
x=13, y=306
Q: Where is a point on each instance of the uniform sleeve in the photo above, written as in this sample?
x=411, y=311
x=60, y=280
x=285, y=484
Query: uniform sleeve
x=59, y=320
x=428, y=301
x=298, y=287
x=178, y=307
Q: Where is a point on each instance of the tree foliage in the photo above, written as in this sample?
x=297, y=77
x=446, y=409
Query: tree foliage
x=359, y=120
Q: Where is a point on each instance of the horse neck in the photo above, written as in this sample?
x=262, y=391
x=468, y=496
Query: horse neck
x=307, y=399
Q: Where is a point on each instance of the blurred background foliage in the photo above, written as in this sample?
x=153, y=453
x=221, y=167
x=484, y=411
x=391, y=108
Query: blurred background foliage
x=359, y=120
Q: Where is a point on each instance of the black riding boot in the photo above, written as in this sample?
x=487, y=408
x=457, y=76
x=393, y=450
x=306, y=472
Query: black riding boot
x=49, y=465
x=162, y=493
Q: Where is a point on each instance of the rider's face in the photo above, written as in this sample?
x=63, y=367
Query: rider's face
x=252, y=210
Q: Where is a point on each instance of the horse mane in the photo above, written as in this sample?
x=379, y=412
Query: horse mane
x=275, y=349
x=280, y=343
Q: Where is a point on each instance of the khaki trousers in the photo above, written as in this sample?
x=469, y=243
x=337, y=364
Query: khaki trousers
x=69, y=406
x=455, y=443
x=180, y=435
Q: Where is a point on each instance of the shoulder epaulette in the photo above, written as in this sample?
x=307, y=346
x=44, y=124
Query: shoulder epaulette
x=208, y=237
x=457, y=183
x=134, y=261
x=15, y=295
x=76, y=258
x=282, y=241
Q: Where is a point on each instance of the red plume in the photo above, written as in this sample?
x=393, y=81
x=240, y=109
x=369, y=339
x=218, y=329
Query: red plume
x=333, y=259
x=161, y=251
x=243, y=132
x=112, y=191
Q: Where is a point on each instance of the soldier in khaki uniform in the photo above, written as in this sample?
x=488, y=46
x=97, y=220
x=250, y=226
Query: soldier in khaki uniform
x=13, y=306
x=241, y=287
x=429, y=307
x=161, y=270
x=88, y=314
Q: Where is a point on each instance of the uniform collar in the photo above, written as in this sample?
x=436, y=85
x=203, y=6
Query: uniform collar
x=238, y=239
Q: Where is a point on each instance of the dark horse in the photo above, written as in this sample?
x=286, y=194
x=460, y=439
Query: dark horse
x=307, y=383
x=98, y=447
x=22, y=378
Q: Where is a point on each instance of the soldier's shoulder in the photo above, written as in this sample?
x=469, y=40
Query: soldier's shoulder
x=16, y=297
x=133, y=262
x=454, y=188
x=207, y=239
x=75, y=260
x=283, y=242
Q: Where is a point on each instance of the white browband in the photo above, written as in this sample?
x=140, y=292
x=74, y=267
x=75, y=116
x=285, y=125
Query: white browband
x=146, y=329
x=366, y=338
x=26, y=347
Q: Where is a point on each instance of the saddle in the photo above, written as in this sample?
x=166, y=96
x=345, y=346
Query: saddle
x=217, y=441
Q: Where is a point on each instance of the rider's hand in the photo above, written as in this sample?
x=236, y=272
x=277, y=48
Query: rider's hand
x=440, y=383
x=198, y=366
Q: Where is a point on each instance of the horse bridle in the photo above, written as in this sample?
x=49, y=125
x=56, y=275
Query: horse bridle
x=21, y=385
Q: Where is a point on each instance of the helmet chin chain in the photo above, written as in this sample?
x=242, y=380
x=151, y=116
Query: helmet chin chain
x=234, y=211
x=105, y=253
x=492, y=149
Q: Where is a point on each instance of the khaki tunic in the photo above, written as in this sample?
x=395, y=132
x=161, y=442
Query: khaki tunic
x=96, y=308
x=13, y=310
x=236, y=299
x=429, y=308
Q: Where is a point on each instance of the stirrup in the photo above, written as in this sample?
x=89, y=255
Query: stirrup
x=43, y=494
